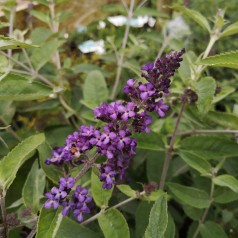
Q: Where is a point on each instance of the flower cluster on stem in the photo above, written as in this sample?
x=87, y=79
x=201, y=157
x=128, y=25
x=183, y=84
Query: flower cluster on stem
x=114, y=140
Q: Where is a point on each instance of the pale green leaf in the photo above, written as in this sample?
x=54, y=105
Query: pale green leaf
x=126, y=189
x=212, y=230
x=17, y=88
x=170, y=230
x=196, y=162
x=48, y=223
x=100, y=196
x=205, y=90
x=113, y=224
x=10, y=164
x=227, y=120
x=227, y=181
x=158, y=219
x=230, y=30
x=10, y=43
x=95, y=88
x=228, y=59
x=153, y=196
x=33, y=188
x=196, y=16
x=189, y=195
x=41, y=16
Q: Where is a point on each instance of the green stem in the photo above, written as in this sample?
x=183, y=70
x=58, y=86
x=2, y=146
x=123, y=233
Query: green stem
x=4, y=214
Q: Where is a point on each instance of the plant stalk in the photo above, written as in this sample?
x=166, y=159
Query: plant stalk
x=4, y=214
x=170, y=150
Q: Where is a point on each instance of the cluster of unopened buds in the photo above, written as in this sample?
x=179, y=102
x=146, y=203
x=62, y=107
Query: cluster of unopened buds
x=113, y=141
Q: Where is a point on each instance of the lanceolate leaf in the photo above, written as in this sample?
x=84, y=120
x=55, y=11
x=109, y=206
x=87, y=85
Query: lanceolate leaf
x=126, y=189
x=205, y=90
x=196, y=162
x=95, y=89
x=48, y=223
x=34, y=188
x=191, y=196
x=224, y=195
x=10, y=164
x=10, y=43
x=69, y=228
x=212, y=230
x=228, y=59
x=196, y=16
x=170, y=230
x=227, y=181
x=113, y=224
x=17, y=88
x=101, y=196
x=230, y=30
x=158, y=219
x=227, y=120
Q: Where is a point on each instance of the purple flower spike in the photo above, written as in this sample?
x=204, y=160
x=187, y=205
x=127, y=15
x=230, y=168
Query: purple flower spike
x=146, y=90
x=160, y=108
x=66, y=183
x=148, y=66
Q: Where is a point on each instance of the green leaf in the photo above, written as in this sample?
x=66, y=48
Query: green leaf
x=126, y=189
x=228, y=59
x=33, y=188
x=43, y=54
x=41, y=16
x=100, y=196
x=158, y=219
x=230, y=30
x=224, y=195
x=212, y=230
x=54, y=173
x=48, y=223
x=225, y=91
x=192, y=212
x=205, y=90
x=69, y=228
x=170, y=230
x=227, y=181
x=17, y=88
x=147, y=11
x=87, y=68
x=153, y=196
x=7, y=111
x=95, y=88
x=227, y=120
x=10, y=43
x=191, y=196
x=10, y=164
x=149, y=142
x=216, y=147
x=196, y=162
x=196, y=16
x=113, y=224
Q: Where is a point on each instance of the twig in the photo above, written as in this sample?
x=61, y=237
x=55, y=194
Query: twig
x=9, y=129
x=121, y=58
x=141, y=4
x=125, y=5
x=88, y=164
x=170, y=150
x=95, y=217
x=4, y=214
x=11, y=23
x=33, y=232
x=28, y=60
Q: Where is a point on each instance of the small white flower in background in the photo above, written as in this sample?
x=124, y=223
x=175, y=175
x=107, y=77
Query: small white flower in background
x=177, y=28
x=92, y=46
x=101, y=25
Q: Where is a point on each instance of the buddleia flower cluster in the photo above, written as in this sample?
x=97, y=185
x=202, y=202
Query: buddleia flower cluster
x=114, y=140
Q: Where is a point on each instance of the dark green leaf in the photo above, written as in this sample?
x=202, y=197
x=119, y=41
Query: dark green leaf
x=52, y=172
x=101, y=196
x=224, y=195
x=48, y=223
x=10, y=164
x=95, y=88
x=227, y=181
x=189, y=195
x=17, y=88
x=10, y=43
x=196, y=16
x=170, y=230
x=212, y=230
x=113, y=224
x=205, y=90
x=228, y=59
x=192, y=212
x=158, y=219
x=33, y=188
x=71, y=229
